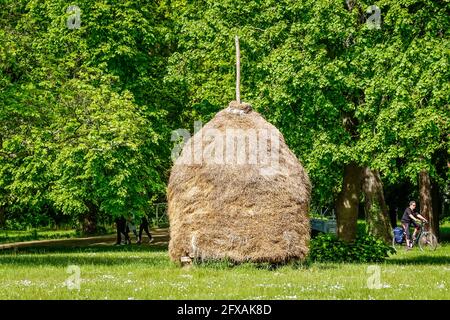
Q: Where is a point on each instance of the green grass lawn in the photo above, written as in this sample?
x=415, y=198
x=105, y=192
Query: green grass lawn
x=7, y=236
x=146, y=272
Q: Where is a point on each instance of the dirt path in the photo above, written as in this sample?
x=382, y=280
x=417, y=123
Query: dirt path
x=161, y=237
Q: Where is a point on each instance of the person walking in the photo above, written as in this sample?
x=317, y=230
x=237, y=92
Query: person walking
x=121, y=226
x=131, y=226
x=144, y=227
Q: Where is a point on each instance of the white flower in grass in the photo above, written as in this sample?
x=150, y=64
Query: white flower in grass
x=265, y=285
x=130, y=298
x=25, y=283
x=440, y=285
x=337, y=286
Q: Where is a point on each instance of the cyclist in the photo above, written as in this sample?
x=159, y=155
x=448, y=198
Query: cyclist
x=411, y=217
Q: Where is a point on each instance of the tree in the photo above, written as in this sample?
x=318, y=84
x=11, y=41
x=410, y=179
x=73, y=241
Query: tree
x=347, y=203
x=337, y=89
x=377, y=218
x=83, y=109
x=411, y=90
x=86, y=113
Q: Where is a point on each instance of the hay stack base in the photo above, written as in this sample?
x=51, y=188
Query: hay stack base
x=238, y=211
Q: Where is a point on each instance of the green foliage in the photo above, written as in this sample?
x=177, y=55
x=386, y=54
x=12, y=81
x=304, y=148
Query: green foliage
x=82, y=111
x=327, y=248
x=86, y=114
x=338, y=91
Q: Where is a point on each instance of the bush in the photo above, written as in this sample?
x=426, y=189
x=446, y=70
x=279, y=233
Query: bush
x=327, y=248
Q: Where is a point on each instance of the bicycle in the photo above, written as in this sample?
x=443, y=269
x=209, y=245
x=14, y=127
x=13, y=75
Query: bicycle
x=426, y=240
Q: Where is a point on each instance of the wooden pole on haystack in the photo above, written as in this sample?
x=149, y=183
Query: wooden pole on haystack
x=238, y=71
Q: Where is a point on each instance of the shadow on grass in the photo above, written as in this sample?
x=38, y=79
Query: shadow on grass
x=422, y=260
x=79, y=249
x=98, y=255
x=225, y=264
x=111, y=255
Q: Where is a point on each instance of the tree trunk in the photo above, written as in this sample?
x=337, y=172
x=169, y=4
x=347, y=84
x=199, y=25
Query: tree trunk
x=436, y=201
x=2, y=208
x=426, y=202
x=89, y=219
x=377, y=218
x=2, y=217
x=347, y=203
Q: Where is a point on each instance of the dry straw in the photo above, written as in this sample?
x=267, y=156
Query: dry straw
x=249, y=211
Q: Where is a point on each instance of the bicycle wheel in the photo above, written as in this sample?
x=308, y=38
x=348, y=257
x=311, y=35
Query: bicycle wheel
x=397, y=245
x=427, y=241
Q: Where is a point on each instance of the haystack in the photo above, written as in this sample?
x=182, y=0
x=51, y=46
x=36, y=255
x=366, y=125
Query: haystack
x=237, y=192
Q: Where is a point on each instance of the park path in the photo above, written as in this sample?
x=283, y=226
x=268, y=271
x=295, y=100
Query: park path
x=161, y=238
